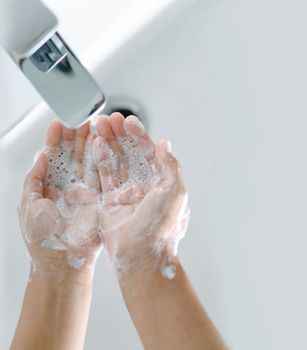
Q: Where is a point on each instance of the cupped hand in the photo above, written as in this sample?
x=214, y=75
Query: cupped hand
x=58, y=209
x=144, y=211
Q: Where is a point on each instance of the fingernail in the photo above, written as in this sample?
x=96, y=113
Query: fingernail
x=134, y=120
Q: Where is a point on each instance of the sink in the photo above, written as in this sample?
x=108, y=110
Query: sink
x=220, y=86
x=93, y=32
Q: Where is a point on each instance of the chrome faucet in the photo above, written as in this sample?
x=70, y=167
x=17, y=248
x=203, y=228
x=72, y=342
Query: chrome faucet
x=28, y=32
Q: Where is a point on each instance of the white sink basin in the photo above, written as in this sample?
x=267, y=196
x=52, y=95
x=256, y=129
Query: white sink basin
x=221, y=88
x=94, y=31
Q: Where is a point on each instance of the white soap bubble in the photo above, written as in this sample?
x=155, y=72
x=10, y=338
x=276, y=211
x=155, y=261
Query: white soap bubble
x=140, y=171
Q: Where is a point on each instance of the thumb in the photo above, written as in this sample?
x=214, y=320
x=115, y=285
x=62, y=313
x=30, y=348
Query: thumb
x=36, y=176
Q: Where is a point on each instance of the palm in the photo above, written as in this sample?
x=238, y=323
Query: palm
x=116, y=218
x=78, y=218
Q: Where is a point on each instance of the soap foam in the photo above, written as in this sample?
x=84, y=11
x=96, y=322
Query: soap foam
x=140, y=170
x=155, y=249
x=65, y=175
x=76, y=261
x=53, y=243
x=168, y=272
x=61, y=169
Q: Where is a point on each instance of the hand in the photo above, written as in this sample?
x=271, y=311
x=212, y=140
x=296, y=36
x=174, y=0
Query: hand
x=58, y=209
x=144, y=209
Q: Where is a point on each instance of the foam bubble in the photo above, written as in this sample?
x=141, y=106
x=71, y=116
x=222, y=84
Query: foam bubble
x=60, y=165
x=63, y=176
x=76, y=261
x=140, y=171
x=53, y=243
x=77, y=236
x=168, y=272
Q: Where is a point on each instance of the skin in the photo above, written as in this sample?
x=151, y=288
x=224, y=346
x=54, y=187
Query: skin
x=54, y=316
x=130, y=222
x=56, y=288
x=166, y=312
x=138, y=218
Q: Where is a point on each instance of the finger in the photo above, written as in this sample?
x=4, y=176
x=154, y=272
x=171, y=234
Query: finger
x=117, y=121
x=117, y=124
x=120, y=165
x=103, y=157
x=109, y=128
x=104, y=128
x=181, y=230
x=140, y=136
x=132, y=194
x=183, y=225
x=79, y=148
x=54, y=133
x=168, y=166
x=34, y=183
x=82, y=196
x=91, y=176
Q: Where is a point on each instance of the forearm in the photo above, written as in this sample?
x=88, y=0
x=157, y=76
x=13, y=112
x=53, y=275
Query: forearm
x=168, y=314
x=54, y=313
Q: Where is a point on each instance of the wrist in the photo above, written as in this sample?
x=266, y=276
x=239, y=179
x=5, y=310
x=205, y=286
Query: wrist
x=139, y=261
x=56, y=309
x=65, y=284
x=144, y=277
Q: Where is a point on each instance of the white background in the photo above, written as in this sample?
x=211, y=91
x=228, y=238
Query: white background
x=226, y=82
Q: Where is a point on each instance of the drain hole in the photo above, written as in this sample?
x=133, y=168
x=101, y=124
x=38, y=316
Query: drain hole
x=124, y=111
x=126, y=107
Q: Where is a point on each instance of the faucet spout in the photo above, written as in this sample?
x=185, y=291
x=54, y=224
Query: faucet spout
x=32, y=40
x=63, y=82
